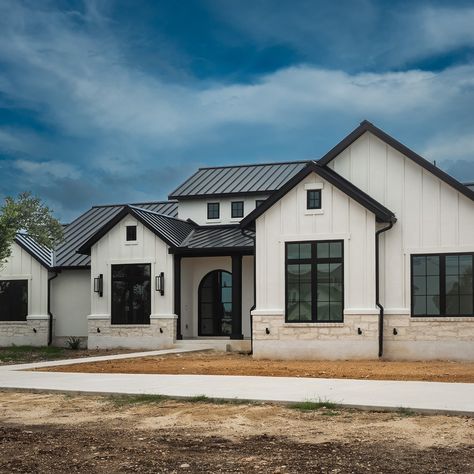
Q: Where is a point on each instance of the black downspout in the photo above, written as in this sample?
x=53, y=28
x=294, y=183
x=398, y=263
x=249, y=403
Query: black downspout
x=50, y=327
x=253, y=237
x=377, y=286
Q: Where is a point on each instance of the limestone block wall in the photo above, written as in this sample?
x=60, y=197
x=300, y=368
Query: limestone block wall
x=159, y=334
x=315, y=340
x=32, y=332
x=407, y=338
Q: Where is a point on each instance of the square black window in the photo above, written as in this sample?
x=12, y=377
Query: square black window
x=259, y=202
x=237, y=209
x=131, y=233
x=313, y=199
x=13, y=300
x=213, y=210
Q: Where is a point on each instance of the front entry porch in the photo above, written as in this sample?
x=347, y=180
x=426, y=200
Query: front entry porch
x=213, y=299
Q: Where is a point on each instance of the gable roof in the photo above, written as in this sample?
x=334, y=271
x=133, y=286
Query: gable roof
x=169, y=229
x=39, y=252
x=230, y=181
x=381, y=212
x=366, y=126
x=85, y=226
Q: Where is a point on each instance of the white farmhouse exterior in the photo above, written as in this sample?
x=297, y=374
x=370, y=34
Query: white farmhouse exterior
x=365, y=253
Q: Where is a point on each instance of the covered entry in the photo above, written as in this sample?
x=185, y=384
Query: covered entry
x=215, y=304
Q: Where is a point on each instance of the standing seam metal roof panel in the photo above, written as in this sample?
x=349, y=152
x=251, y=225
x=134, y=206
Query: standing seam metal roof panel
x=37, y=251
x=237, y=179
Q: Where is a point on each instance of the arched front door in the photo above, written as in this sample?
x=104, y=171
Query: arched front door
x=215, y=304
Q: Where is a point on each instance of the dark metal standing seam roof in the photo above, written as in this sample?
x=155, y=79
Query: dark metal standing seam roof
x=206, y=237
x=169, y=228
x=231, y=180
x=86, y=225
x=37, y=251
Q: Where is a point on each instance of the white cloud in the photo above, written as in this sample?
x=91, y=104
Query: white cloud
x=47, y=169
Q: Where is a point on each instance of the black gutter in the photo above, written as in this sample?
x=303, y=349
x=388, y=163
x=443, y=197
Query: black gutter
x=377, y=285
x=254, y=285
x=50, y=327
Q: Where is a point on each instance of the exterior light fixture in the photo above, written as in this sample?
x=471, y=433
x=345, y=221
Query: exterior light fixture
x=160, y=283
x=359, y=331
x=99, y=285
x=395, y=332
x=267, y=331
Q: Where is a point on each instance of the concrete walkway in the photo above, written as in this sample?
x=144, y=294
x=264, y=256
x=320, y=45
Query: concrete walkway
x=454, y=398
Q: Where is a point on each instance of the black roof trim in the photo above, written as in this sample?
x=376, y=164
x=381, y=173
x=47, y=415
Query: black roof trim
x=211, y=252
x=137, y=213
x=366, y=126
x=271, y=163
x=381, y=212
x=136, y=204
x=188, y=197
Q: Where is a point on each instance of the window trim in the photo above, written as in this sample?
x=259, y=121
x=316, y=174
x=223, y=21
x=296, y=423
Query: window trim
x=127, y=227
x=308, y=199
x=442, y=277
x=218, y=211
x=111, y=298
x=232, y=209
x=27, y=282
x=313, y=262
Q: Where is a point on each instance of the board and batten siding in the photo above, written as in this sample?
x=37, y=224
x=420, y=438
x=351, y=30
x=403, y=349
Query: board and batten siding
x=432, y=217
x=288, y=220
x=22, y=266
x=112, y=249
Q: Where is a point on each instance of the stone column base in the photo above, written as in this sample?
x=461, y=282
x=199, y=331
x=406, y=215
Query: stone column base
x=32, y=332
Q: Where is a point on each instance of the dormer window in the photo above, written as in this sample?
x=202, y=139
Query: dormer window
x=237, y=209
x=213, y=210
x=131, y=232
x=313, y=199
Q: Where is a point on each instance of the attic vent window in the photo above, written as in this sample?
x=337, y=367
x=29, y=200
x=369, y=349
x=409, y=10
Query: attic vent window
x=213, y=210
x=237, y=209
x=313, y=199
x=131, y=233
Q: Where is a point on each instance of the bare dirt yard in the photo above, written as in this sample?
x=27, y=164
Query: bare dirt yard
x=26, y=354
x=224, y=363
x=55, y=433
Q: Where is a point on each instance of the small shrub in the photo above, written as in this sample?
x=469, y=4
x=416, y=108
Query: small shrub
x=73, y=343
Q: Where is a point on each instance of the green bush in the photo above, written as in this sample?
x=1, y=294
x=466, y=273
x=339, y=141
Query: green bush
x=73, y=343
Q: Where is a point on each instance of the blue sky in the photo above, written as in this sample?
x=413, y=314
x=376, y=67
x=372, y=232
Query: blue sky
x=119, y=101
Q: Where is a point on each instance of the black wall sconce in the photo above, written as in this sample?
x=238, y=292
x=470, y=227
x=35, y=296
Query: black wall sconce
x=161, y=330
x=34, y=330
x=395, y=332
x=359, y=331
x=267, y=331
x=99, y=285
x=160, y=283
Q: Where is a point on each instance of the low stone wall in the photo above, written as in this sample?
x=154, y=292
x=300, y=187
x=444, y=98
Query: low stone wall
x=315, y=340
x=32, y=332
x=428, y=338
x=413, y=338
x=159, y=334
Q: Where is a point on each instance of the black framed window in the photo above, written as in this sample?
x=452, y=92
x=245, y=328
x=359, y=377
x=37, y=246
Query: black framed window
x=442, y=285
x=237, y=209
x=131, y=294
x=259, y=202
x=13, y=300
x=313, y=199
x=314, y=281
x=213, y=210
x=131, y=233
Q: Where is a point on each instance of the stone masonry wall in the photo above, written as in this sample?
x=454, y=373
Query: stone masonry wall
x=159, y=334
x=32, y=332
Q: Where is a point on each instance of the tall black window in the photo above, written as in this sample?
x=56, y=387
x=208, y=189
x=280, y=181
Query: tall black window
x=13, y=300
x=213, y=210
x=442, y=285
x=237, y=209
x=131, y=233
x=314, y=281
x=131, y=294
x=313, y=199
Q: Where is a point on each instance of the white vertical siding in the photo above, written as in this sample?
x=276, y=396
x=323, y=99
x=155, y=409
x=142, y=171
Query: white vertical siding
x=341, y=219
x=432, y=216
